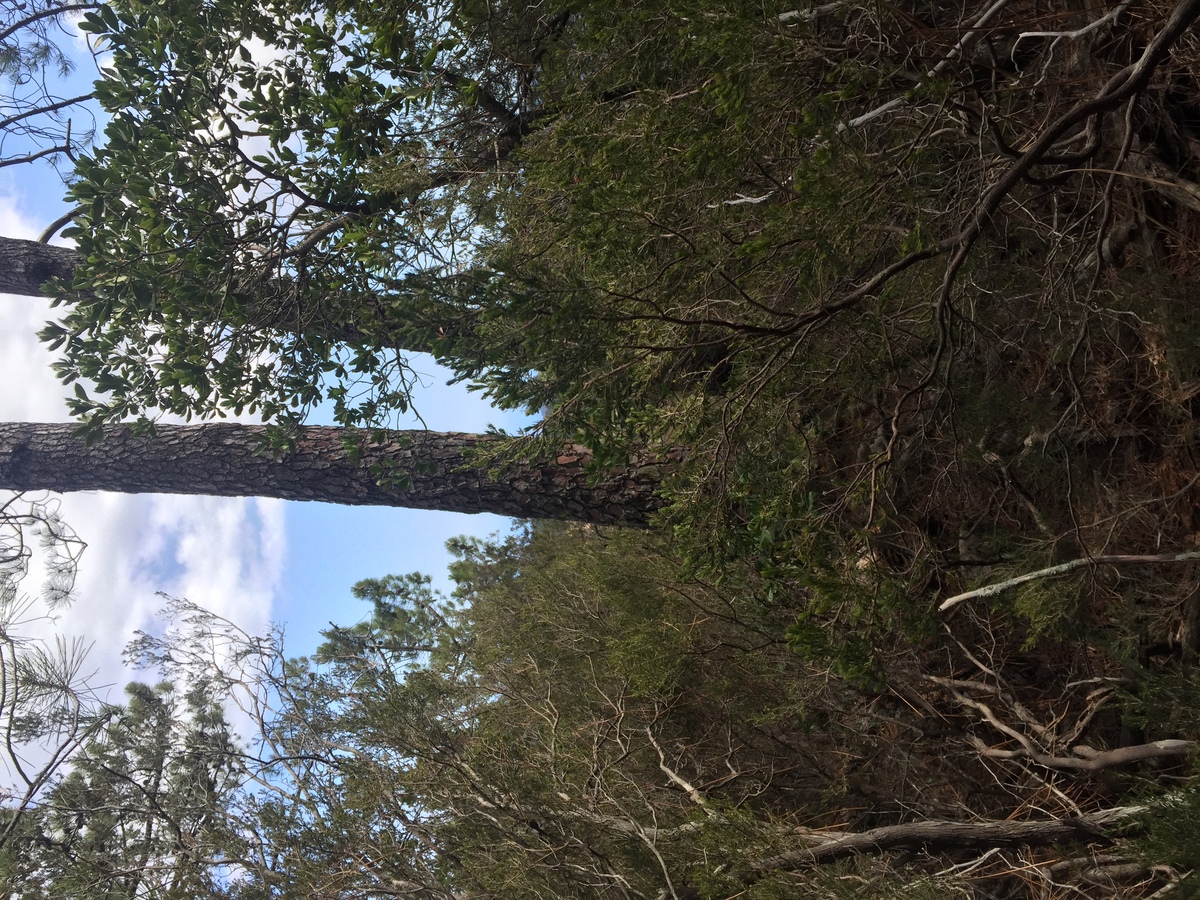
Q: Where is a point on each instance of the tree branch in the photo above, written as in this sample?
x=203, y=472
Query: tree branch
x=1062, y=568
x=53, y=227
x=936, y=835
x=1093, y=760
x=42, y=14
x=48, y=108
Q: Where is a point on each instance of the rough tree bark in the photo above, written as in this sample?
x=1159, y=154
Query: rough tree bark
x=433, y=471
x=27, y=265
x=416, y=469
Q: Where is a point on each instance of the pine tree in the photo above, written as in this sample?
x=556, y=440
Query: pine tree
x=419, y=469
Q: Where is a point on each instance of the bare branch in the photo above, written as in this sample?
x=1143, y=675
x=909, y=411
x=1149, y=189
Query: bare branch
x=53, y=228
x=1094, y=760
x=933, y=836
x=695, y=793
x=1063, y=568
x=41, y=110
x=1110, y=16
x=965, y=41
x=44, y=14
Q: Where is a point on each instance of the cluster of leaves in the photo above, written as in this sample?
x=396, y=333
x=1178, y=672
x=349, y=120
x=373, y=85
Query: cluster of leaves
x=269, y=173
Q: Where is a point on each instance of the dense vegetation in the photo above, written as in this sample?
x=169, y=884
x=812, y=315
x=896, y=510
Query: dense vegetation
x=577, y=721
x=902, y=292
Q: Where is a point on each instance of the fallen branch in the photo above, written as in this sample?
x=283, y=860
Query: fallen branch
x=964, y=42
x=1110, y=16
x=807, y=15
x=1019, y=708
x=1079, y=864
x=986, y=712
x=1062, y=568
x=1091, y=760
x=936, y=836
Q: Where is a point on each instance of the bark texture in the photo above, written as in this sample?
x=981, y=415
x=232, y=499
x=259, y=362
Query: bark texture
x=416, y=469
x=938, y=836
x=27, y=265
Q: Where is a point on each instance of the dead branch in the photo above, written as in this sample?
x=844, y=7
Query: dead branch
x=1022, y=712
x=1062, y=568
x=694, y=793
x=1090, y=760
x=936, y=836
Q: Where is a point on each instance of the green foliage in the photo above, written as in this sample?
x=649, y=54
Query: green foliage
x=595, y=658
x=1051, y=607
x=1165, y=700
x=639, y=279
x=46, y=707
x=236, y=237
x=142, y=810
x=1171, y=833
x=575, y=721
x=402, y=625
x=744, y=236
x=28, y=47
x=528, y=736
x=248, y=243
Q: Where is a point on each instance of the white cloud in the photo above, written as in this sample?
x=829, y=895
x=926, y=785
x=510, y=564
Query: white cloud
x=226, y=554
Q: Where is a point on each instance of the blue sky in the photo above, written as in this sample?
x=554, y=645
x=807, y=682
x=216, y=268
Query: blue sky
x=348, y=543
x=253, y=561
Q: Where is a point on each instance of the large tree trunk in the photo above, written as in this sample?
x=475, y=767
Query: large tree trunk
x=25, y=266
x=417, y=469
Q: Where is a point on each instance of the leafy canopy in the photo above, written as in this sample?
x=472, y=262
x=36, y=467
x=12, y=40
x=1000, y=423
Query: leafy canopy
x=278, y=181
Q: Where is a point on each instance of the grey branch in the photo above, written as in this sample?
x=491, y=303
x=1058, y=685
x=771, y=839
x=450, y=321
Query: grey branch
x=938, y=835
x=992, y=590
x=1090, y=760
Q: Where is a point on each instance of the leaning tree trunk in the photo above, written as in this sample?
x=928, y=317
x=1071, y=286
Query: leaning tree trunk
x=25, y=266
x=416, y=469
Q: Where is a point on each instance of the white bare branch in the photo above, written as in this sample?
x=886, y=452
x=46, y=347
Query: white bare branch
x=1091, y=760
x=952, y=54
x=1109, y=16
x=992, y=590
x=807, y=15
